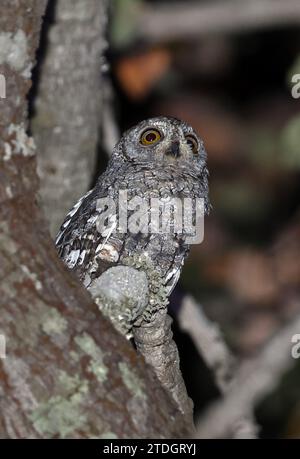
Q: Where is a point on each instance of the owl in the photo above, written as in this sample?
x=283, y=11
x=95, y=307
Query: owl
x=155, y=166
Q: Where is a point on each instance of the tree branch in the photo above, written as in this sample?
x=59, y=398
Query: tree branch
x=122, y=294
x=69, y=105
x=154, y=340
x=210, y=344
x=187, y=20
x=208, y=340
x=253, y=381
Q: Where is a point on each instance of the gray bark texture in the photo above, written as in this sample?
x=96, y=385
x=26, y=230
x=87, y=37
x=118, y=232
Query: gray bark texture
x=67, y=372
x=123, y=289
x=155, y=342
x=69, y=104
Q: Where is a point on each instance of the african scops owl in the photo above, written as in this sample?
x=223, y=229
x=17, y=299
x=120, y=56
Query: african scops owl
x=160, y=158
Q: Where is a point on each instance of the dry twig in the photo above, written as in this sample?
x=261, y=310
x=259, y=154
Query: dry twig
x=211, y=346
x=252, y=382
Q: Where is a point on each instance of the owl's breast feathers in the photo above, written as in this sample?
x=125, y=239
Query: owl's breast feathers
x=89, y=249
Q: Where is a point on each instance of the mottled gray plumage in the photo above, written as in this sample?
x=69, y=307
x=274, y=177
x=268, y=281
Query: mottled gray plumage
x=167, y=168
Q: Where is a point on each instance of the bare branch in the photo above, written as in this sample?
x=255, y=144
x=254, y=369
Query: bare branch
x=253, y=381
x=208, y=340
x=187, y=20
x=210, y=344
x=155, y=342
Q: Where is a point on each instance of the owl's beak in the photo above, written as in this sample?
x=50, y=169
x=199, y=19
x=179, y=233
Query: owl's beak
x=174, y=149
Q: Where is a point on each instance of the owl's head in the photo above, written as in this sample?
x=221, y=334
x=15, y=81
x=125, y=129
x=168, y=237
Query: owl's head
x=164, y=141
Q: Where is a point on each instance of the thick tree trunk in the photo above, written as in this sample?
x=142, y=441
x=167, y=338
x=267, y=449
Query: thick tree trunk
x=67, y=372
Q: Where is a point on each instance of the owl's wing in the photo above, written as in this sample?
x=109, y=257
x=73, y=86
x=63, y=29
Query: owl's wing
x=174, y=272
x=80, y=240
x=65, y=233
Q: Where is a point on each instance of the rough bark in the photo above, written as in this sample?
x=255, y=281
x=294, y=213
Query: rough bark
x=155, y=342
x=67, y=373
x=69, y=104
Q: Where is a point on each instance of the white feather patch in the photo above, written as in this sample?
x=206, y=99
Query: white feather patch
x=171, y=274
x=81, y=257
x=69, y=216
x=72, y=258
x=93, y=219
x=78, y=204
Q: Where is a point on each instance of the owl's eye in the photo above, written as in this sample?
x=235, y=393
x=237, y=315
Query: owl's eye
x=150, y=137
x=192, y=143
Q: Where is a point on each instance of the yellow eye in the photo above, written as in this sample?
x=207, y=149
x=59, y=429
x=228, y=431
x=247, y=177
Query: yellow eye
x=192, y=143
x=150, y=137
